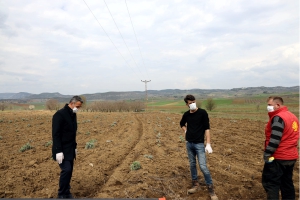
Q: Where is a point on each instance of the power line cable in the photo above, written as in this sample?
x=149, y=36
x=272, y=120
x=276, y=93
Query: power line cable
x=121, y=35
x=136, y=39
x=107, y=35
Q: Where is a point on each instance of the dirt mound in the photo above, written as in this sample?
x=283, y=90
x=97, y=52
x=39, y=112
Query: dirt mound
x=152, y=139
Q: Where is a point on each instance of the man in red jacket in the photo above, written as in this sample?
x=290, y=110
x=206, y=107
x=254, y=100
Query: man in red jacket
x=281, y=153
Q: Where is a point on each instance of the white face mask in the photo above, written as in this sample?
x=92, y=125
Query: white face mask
x=270, y=108
x=75, y=110
x=193, y=106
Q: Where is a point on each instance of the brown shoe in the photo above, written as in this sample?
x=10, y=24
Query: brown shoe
x=194, y=188
x=211, y=192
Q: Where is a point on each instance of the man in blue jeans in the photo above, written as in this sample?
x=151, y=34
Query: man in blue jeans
x=195, y=123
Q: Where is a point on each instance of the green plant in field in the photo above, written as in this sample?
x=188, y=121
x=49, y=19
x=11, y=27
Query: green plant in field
x=90, y=144
x=25, y=147
x=158, y=138
x=0, y=137
x=210, y=104
x=158, y=135
x=113, y=124
x=28, y=125
x=181, y=138
x=148, y=156
x=257, y=107
x=135, y=165
x=48, y=143
x=87, y=133
x=17, y=130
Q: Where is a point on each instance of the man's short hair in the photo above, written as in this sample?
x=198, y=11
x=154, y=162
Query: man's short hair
x=189, y=97
x=75, y=99
x=269, y=98
x=277, y=99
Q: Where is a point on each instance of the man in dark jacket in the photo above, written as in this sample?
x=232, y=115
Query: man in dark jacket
x=64, y=127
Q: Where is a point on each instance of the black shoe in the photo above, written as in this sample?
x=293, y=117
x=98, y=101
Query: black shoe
x=67, y=196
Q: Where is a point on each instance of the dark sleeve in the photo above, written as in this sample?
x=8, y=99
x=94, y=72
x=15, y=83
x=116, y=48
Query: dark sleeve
x=276, y=135
x=56, y=132
x=207, y=125
x=183, y=120
x=76, y=131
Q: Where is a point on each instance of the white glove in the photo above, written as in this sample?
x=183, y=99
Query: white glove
x=59, y=157
x=75, y=151
x=208, y=148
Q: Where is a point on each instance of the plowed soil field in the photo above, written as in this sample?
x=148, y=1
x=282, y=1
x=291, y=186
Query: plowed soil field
x=153, y=139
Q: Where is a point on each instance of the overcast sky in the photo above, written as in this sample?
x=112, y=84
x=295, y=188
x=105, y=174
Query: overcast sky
x=61, y=46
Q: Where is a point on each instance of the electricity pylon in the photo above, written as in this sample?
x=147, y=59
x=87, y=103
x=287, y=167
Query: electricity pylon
x=146, y=97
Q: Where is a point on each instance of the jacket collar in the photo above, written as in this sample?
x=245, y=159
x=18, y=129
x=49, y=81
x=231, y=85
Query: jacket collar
x=69, y=109
x=272, y=114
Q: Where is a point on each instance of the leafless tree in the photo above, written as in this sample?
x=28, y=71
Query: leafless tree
x=52, y=104
x=210, y=104
x=84, y=104
x=3, y=106
x=115, y=106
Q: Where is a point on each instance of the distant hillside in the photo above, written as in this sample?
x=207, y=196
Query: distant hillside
x=167, y=93
x=20, y=95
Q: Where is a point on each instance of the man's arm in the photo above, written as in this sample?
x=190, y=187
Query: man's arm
x=183, y=123
x=207, y=135
x=276, y=135
x=56, y=135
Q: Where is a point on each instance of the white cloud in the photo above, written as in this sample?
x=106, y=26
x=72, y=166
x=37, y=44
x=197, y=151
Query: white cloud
x=49, y=45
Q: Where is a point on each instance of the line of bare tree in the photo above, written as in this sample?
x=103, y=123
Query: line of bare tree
x=115, y=106
x=102, y=106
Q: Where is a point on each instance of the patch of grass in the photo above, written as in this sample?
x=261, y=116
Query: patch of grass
x=135, y=165
x=148, y=156
x=181, y=138
x=113, y=124
x=90, y=144
x=48, y=143
x=25, y=147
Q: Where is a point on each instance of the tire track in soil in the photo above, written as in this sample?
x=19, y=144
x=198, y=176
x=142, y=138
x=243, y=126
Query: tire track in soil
x=122, y=165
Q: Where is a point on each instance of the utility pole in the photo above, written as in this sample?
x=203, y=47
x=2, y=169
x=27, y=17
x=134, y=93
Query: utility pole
x=146, y=98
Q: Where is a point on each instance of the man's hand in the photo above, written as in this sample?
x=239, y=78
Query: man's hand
x=208, y=148
x=59, y=157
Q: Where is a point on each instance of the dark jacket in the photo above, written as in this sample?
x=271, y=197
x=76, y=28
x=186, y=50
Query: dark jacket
x=64, y=127
x=197, y=123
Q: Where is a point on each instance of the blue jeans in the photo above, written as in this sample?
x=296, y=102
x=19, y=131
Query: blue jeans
x=197, y=149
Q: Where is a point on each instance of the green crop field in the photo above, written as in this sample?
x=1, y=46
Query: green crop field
x=246, y=107
x=232, y=108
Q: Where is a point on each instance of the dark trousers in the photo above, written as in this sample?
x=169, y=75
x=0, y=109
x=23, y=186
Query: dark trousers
x=278, y=175
x=65, y=177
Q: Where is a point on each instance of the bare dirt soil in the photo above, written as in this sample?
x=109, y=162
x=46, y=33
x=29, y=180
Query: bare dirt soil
x=153, y=139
